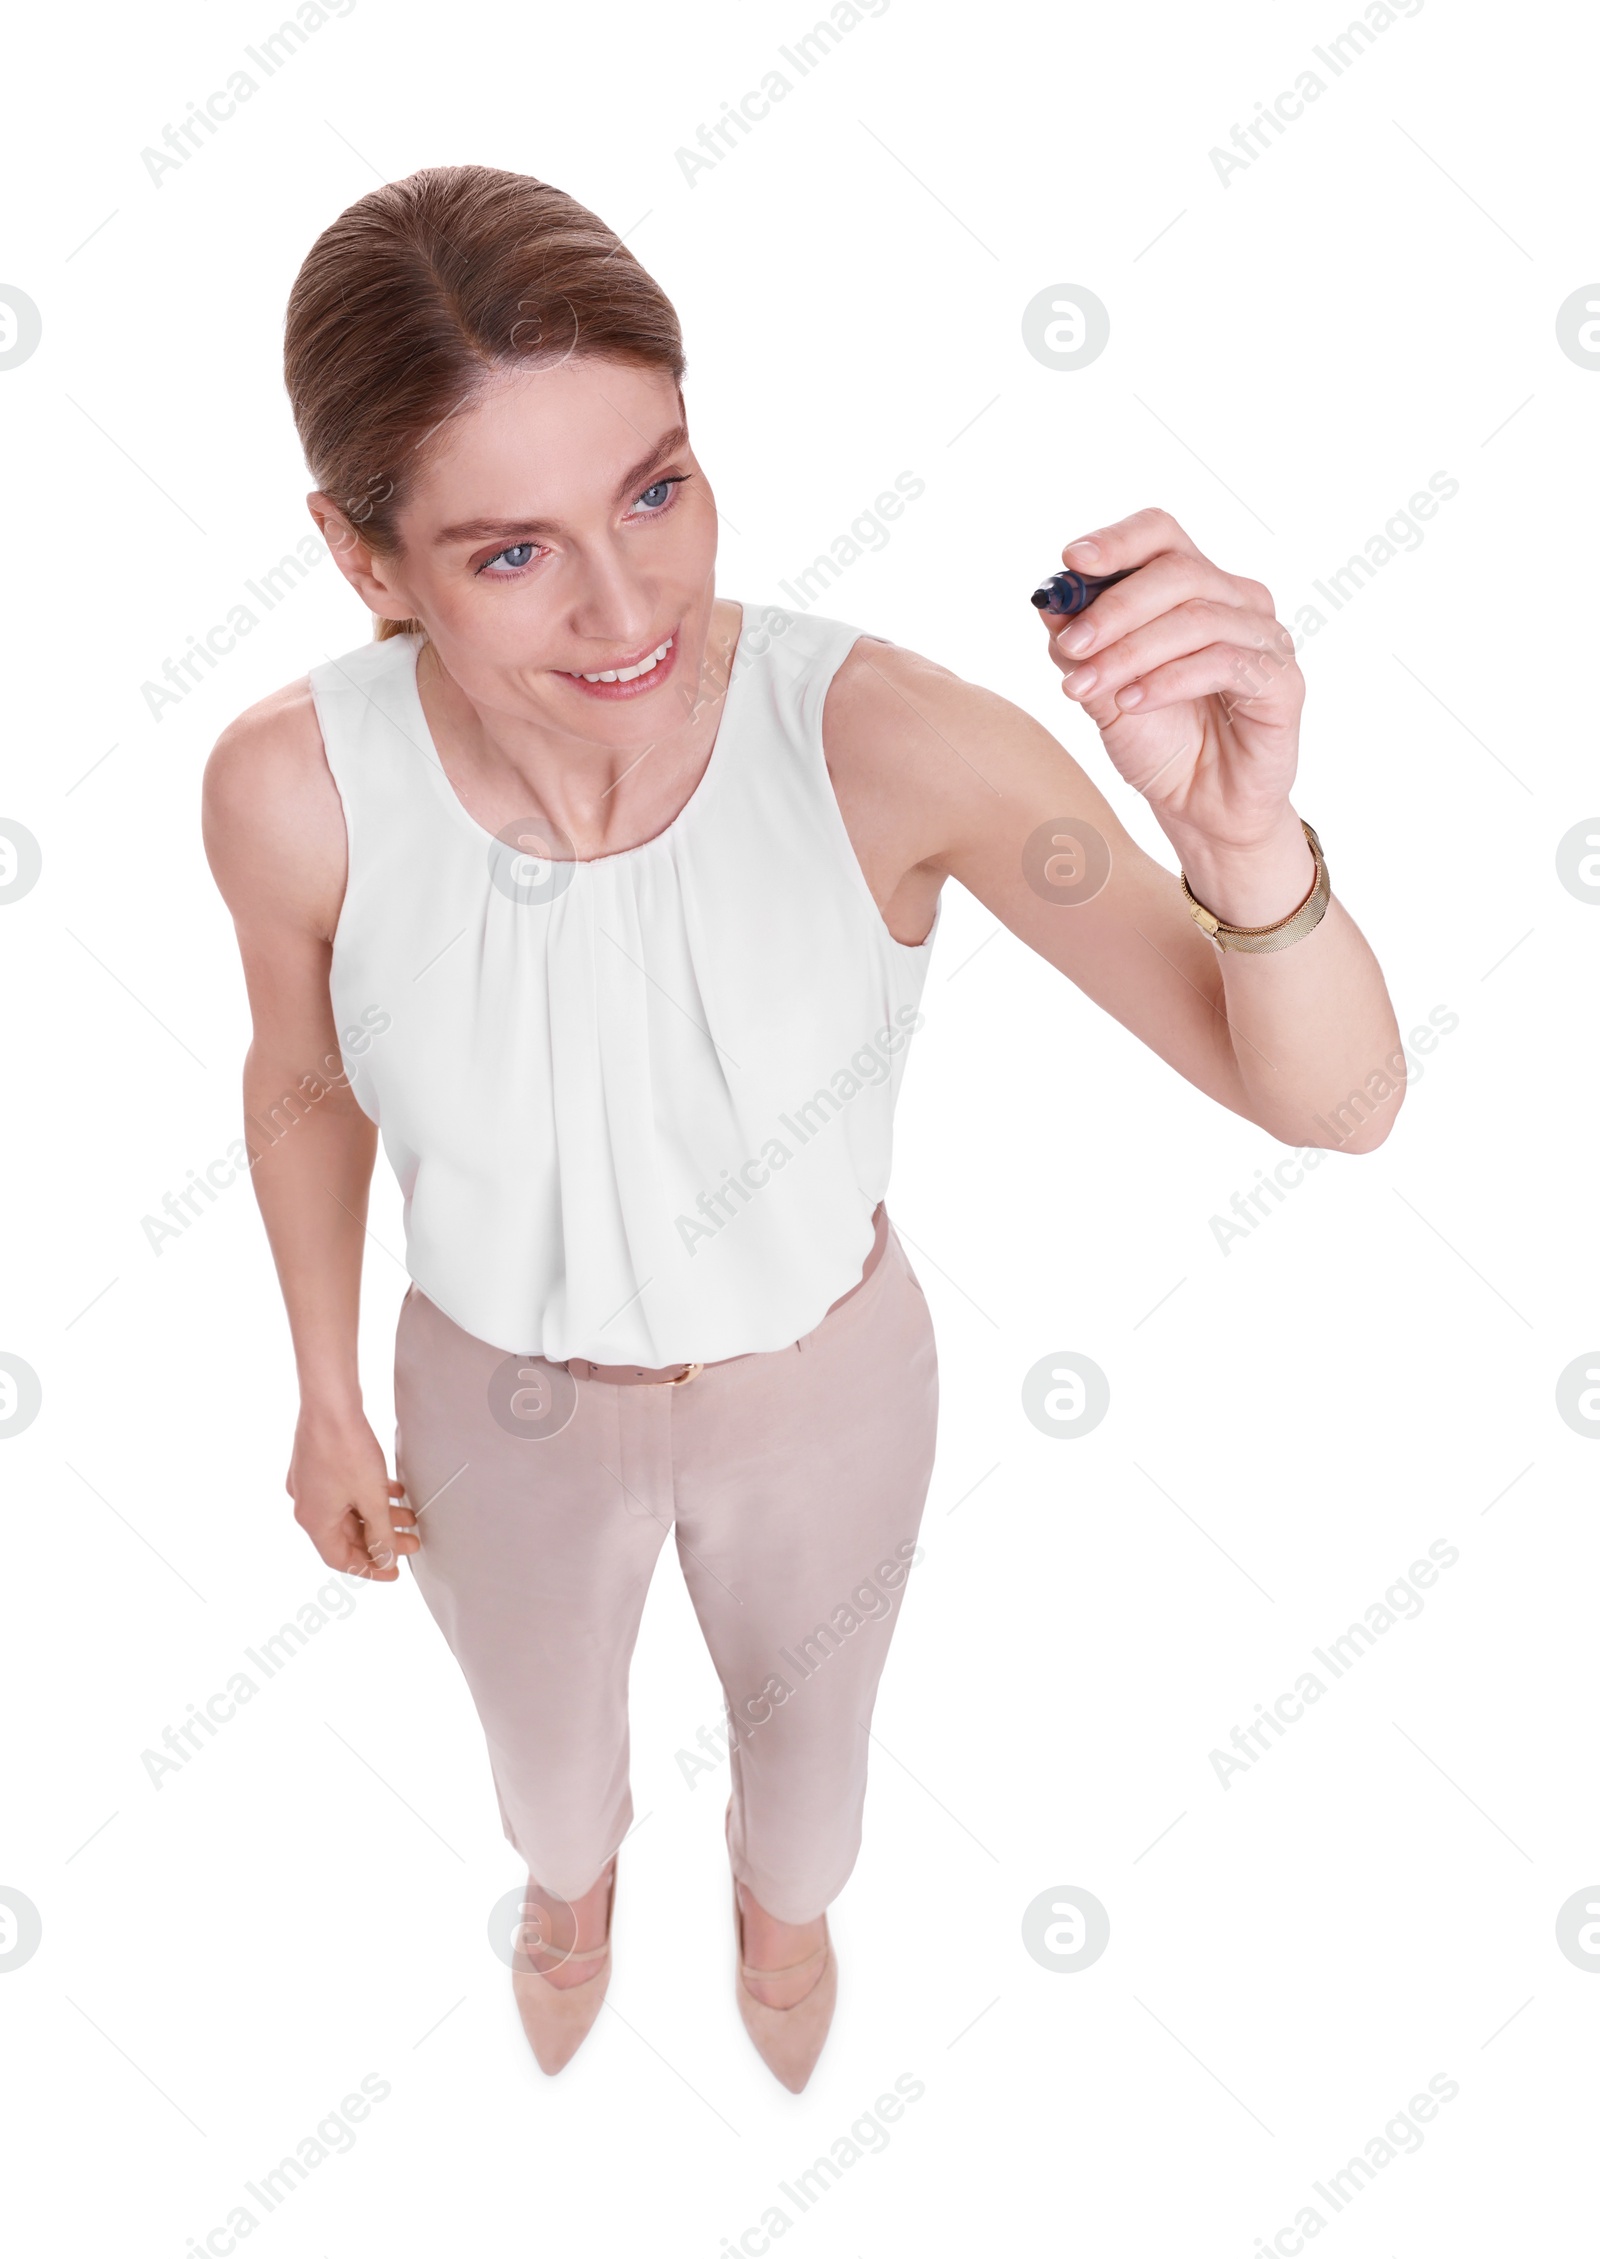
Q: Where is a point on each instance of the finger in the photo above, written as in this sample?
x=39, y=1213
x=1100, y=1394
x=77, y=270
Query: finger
x=1191, y=626
x=384, y=1544
x=1242, y=678
x=1130, y=541
x=1164, y=582
x=401, y=1517
x=344, y=1547
x=372, y=1549
x=338, y=1538
x=387, y=1530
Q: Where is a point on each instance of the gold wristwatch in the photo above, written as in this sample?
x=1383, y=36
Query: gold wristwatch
x=1293, y=928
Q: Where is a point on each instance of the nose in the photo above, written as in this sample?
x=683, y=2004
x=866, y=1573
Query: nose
x=614, y=607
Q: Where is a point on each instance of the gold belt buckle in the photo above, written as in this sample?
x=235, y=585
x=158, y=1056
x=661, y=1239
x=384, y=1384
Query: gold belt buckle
x=687, y=1374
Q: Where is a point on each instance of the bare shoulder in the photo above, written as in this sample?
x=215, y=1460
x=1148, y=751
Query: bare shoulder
x=937, y=768
x=885, y=712
x=271, y=816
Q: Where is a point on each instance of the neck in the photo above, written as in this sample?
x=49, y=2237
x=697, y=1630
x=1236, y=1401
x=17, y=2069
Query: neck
x=604, y=798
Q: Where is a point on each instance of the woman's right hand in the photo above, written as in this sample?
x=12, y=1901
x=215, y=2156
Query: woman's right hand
x=345, y=1499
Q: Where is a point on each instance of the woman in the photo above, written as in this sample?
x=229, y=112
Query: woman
x=617, y=899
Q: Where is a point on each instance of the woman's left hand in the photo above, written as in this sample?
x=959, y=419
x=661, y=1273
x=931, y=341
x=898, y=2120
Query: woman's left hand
x=1190, y=680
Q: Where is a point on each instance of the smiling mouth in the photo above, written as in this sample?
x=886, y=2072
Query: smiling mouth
x=644, y=666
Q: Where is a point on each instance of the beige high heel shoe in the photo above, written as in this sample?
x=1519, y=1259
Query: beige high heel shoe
x=788, y=2040
x=557, y=2018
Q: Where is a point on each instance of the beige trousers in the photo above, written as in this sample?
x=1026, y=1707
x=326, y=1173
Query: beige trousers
x=793, y=1481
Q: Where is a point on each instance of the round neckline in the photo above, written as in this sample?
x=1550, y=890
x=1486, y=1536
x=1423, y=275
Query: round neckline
x=578, y=862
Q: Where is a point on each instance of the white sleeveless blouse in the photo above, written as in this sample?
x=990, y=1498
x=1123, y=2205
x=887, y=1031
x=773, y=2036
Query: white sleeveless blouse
x=640, y=1107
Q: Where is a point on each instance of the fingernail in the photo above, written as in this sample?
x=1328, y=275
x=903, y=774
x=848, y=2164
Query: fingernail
x=1080, y=679
x=1087, y=547
x=1078, y=640
x=1132, y=695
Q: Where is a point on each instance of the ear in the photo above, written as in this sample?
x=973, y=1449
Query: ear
x=369, y=574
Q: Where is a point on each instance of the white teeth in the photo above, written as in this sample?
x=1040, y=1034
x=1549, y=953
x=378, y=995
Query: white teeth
x=630, y=674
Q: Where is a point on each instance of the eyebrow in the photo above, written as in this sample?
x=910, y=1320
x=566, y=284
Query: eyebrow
x=487, y=529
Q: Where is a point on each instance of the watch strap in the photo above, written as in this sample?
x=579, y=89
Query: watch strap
x=1258, y=940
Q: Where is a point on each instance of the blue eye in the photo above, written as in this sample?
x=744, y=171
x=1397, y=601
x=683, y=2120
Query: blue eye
x=661, y=490
x=652, y=503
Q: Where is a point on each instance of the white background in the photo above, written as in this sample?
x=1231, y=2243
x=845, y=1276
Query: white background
x=1374, y=1902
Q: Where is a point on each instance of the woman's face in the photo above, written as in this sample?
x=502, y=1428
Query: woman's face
x=561, y=528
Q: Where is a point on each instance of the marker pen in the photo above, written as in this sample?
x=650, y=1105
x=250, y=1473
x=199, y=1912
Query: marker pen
x=1070, y=592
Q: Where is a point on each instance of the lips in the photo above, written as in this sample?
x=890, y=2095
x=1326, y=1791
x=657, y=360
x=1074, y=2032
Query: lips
x=626, y=670
x=633, y=677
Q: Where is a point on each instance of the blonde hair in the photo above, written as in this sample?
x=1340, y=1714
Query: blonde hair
x=417, y=295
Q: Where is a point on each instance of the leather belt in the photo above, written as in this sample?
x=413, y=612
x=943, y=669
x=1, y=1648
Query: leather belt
x=674, y=1376
x=663, y=1376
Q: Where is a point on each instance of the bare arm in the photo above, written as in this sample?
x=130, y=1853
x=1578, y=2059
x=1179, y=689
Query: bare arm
x=940, y=777
x=274, y=836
